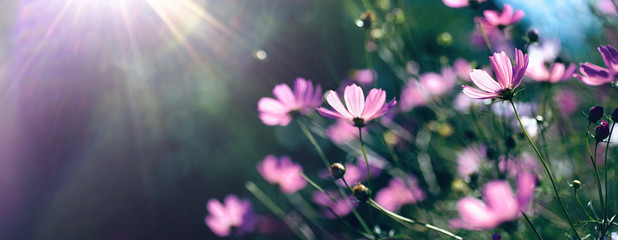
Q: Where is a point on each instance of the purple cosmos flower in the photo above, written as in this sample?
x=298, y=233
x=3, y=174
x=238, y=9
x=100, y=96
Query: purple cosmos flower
x=506, y=18
x=509, y=77
x=594, y=75
x=359, y=111
x=461, y=3
x=233, y=212
x=413, y=95
x=557, y=72
x=280, y=111
x=399, y=193
x=282, y=172
x=499, y=204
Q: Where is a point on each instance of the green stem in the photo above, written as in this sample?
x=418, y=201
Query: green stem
x=538, y=235
x=485, y=38
x=360, y=137
x=305, y=130
x=596, y=174
x=547, y=170
x=405, y=220
x=346, y=199
x=611, y=131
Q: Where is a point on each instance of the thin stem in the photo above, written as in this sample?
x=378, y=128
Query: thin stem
x=611, y=131
x=272, y=206
x=596, y=174
x=485, y=38
x=305, y=130
x=538, y=235
x=360, y=137
x=346, y=199
x=405, y=220
x=580, y=204
x=547, y=170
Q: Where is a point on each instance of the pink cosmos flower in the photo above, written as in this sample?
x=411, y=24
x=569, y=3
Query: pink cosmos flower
x=233, y=213
x=399, y=193
x=304, y=99
x=506, y=18
x=342, y=132
x=463, y=69
x=359, y=111
x=469, y=159
x=413, y=95
x=567, y=101
x=594, y=75
x=499, y=204
x=606, y=7
x=340, y=206
x=461, y=3
x=438, y=84
x=557, y=72
x=364, y=76
x=509, y=77
x=282, y=172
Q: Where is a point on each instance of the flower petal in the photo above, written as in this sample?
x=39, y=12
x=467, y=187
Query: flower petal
x=475, y=215
x=593, y=75
x=375, y=100
x=475, y=93
x=285, y=95
x=354, y=99
x=521, y=64
x=526, y=183
x=333, y=99
x=485, y=82
x=501, y=64
x=331, y=114
x=557, y=71
x=610, y=57
x=499, y=197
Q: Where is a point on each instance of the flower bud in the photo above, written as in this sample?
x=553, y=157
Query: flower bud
x=367, y=18
x=576, y=184
x=595, y=114
x=496, y=236
x=615, y=115
x=361, y=192
x=532, y=35
x=337, y=170
x=601, y=132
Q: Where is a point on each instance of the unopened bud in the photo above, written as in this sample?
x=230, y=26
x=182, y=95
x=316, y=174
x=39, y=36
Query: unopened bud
x=532, y=35
x=615, y=115
x=576, y=184
x=601, y=132
x=595, y=114
x=361, y=192
x=337, y=170
x=367, y=18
